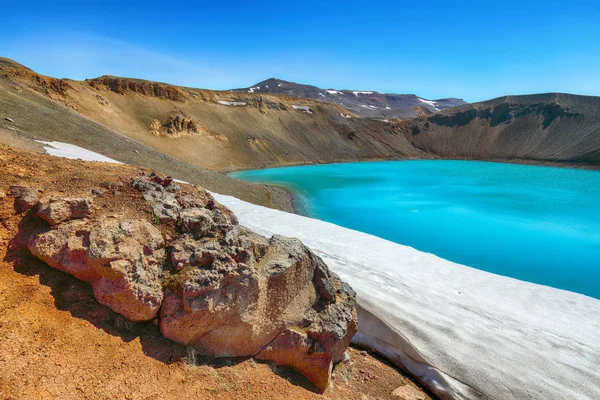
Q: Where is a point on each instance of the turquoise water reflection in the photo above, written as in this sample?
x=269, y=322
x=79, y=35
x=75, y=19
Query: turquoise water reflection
x=538, y=224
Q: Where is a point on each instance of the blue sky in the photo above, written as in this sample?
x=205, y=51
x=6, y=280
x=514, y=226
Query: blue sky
x=474, y=50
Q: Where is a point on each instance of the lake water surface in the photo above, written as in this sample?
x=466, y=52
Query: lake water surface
x=539, y=224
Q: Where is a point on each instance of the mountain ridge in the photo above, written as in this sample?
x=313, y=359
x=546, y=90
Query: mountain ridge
x=223, y=130
x=196, y=133
x=546, y=127
x=364, y=103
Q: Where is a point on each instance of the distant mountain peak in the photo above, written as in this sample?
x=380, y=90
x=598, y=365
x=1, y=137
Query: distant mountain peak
x=364, y=103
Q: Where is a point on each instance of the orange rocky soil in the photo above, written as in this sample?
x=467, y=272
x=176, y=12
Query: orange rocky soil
x=57, y=342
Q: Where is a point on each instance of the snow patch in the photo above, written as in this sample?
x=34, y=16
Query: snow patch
x=430, y=102
x=388, y=108
x=321, y=94
x=333, y=92
x=357, y=93
x=73, y=152
x=345, y=115
x=252, y=89
x=305, y=109
x=231, y=103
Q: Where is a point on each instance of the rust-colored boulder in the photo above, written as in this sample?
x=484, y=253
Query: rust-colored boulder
x=246, y=295
x=313, y=348
x=118, y=257
x=55, y=210
x=296, y=349
x=240, y=295
x=25, y=197
x=218, y=286
x=408, y=392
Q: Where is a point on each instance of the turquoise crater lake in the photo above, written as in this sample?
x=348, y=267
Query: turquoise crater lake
x=538, y=224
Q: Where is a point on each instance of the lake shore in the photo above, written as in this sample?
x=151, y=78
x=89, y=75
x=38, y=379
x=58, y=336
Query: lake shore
x=462, y=332
x=296, y=202
x=442, y=206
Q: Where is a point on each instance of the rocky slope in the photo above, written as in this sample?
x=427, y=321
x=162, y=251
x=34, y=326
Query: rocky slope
x=128, y=239
x=550, y=127
x=207, y=129
x=366, y=104
x=189, y=133
x=31, y=109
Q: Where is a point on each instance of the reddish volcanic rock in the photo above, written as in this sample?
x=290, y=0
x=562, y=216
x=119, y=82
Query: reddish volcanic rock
x=216, y=285
x=57, y=210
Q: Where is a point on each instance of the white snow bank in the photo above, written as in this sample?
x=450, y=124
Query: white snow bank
x=345, y=115
x=231, y=103
x=430, y=102
x=67, y=150
x=356, y=93
x=465, y=333
x=333, y=92
x=306, y=109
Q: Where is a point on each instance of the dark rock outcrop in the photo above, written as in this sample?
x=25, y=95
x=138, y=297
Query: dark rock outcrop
x=505, y=112
x=179, y=124
x=216, y=285
x=147, y=88
x=25, y=197
x=551, y=127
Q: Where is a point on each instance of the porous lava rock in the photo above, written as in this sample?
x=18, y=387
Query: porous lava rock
x=25, y=197
x=55, y=210
x=215, y=285
x=121, y=258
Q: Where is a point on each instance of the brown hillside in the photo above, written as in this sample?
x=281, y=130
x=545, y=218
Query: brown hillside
x=36, y=115
x=179, y=129
x=57, y=342
x=546, y=127
x=250, y=131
